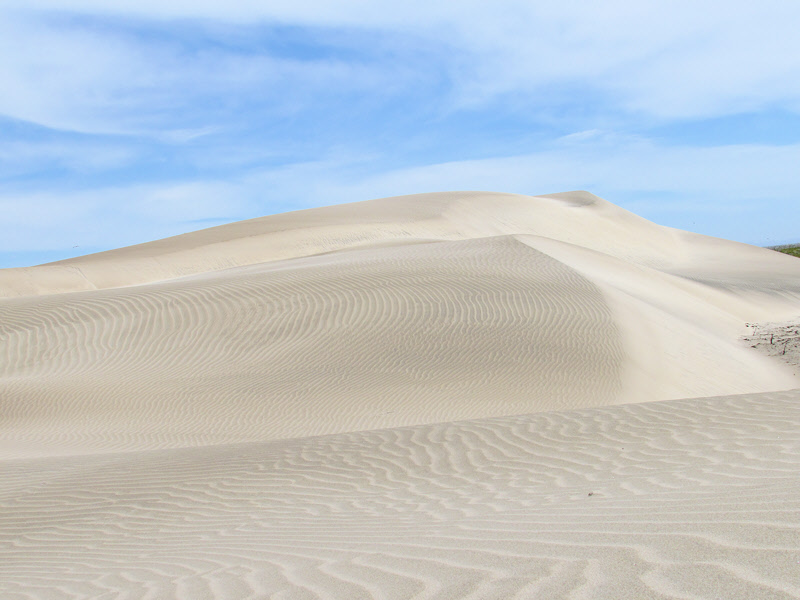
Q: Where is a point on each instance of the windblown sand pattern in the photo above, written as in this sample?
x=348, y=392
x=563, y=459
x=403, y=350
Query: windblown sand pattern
x=418, y=334
x=434, y=396
x=678, y=499
x=408, y=330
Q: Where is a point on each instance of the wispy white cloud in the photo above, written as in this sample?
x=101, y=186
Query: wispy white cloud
x=744, y=192
x=86, y=156
x=673, y=58
x=66, y=74
x=110, y=217
x=181, y=136
x=722, y=190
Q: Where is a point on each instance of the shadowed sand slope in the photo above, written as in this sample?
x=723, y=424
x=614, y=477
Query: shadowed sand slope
x=679, y=499
x=393, y=325
x=340, y=342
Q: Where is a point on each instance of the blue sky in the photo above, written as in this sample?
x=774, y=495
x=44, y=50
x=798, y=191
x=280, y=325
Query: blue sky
x=127, y=121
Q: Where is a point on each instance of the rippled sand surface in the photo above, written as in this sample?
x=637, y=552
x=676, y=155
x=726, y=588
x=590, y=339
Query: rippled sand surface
x=460, y=395
x=678, y=499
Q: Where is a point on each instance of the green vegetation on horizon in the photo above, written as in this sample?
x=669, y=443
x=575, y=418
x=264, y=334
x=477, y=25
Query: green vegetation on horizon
x=793, y=249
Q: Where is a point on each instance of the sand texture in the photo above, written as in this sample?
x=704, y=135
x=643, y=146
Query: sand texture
x=403, y=332
x=444, y=395
x=679, y=499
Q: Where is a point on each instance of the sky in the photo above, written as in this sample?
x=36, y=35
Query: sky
x=127, y=121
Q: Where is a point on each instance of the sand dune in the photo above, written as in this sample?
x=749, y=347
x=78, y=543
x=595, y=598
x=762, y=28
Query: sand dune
x=434, y=396
x=679, y=499
x=402, y=332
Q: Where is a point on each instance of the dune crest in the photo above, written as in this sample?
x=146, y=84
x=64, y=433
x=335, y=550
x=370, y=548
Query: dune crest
x=578, y=218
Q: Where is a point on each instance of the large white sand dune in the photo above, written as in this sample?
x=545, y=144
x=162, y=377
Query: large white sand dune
x=585, y=305
x=325, y=404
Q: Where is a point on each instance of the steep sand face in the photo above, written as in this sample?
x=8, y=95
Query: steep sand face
x=395, y=328
x=666, y=500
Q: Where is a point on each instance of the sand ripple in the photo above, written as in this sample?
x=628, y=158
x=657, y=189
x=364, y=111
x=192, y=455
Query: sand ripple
x=678, y=499
x=340, y=342
x=337, y=403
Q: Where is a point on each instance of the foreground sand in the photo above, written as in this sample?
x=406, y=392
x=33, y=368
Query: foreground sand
x=339, y=403
x=678, y=499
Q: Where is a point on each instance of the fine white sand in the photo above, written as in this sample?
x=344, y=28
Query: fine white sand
x=677, y=499
x=331, y=403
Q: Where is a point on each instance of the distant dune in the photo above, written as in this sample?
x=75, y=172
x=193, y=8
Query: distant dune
x=461, y=353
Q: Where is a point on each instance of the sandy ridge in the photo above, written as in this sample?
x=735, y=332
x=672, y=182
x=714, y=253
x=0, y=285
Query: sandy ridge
x=574, y=217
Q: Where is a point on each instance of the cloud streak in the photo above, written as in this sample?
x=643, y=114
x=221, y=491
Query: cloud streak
x=111, y=77
x=666, y=59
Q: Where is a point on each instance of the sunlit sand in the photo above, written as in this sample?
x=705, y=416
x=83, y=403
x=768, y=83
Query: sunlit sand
x=449, y=395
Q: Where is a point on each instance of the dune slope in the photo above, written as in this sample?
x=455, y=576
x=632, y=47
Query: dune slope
x=434, y=396
x=588, y=306
x=340, y=342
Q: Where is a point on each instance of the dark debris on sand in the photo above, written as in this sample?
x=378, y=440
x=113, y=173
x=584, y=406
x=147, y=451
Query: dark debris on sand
x=781, y=340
